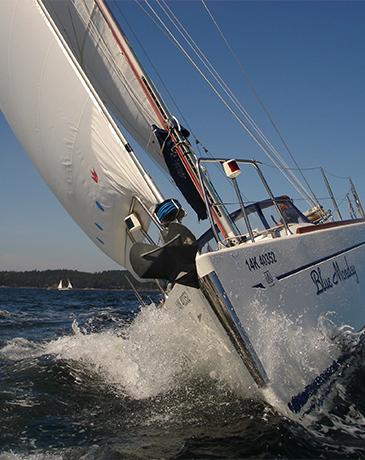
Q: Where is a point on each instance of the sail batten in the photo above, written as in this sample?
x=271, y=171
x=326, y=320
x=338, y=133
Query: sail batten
x=66, y=131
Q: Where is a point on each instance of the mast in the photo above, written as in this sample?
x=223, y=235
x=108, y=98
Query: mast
x=182, y=148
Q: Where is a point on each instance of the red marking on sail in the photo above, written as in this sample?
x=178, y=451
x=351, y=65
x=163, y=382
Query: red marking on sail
x=94, y=176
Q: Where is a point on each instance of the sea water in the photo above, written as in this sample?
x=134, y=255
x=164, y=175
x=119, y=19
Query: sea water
x=93, y=375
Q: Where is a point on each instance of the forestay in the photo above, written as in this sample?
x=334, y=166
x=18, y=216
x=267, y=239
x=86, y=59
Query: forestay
x=110, y=64
x=64, y=129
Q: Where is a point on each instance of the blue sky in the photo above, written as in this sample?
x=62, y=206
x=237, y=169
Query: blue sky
x=306, y=60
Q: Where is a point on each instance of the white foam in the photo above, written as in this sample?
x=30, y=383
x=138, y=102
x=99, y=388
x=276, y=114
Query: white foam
x=38, y=456
x=158, y=352
x=292, y=354
x=5, y=314
x=20, y=348
x=162, y=349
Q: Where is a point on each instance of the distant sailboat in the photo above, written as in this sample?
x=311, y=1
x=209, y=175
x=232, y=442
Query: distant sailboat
x=62, y=287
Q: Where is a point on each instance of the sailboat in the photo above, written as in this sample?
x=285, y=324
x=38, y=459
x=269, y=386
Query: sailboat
x=64, y=287
x=259, y=266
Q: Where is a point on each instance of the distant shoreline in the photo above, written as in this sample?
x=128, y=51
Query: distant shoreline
x=115, y=280
x=40, y=288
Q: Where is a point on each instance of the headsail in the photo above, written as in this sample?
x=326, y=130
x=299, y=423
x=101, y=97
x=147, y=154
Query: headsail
x=63, y=127
x=109, y=62
x=111, y=66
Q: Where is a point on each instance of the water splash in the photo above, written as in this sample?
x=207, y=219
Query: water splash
x=162, y=350
x=20, y=348
x=159, y=351
x=39, y=456
x=159, y=373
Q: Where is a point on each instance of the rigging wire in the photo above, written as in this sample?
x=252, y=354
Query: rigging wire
x=258, y=98
x=247, y=202
x=337, y=177
x=253, y=130
x=121, y=77
x=343, y=199
x=106, y=52
x=178, y=110
x=167, y=33
x=197, y=142
x=202, y=57
x=111, y=59
x=313, y=168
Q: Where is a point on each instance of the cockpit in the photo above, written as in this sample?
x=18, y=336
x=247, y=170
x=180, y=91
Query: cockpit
x=264, y=220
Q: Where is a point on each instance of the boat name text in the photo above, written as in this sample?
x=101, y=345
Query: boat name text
x=263, y=260
x=339, y=275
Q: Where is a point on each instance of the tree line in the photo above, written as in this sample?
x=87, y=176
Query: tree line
x=110, y=279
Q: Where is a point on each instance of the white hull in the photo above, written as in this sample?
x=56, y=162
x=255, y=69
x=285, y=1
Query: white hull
x=288, y=293
x=198, y=311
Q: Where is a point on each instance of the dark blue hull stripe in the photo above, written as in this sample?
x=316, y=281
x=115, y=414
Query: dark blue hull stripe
x=318, y=261
x=299, y=401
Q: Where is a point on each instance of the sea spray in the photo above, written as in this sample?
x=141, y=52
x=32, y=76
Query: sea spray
x=291, y=353
x=160, y=350
x=78, y=413
x=19, y=348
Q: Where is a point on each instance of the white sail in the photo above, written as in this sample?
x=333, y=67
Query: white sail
x=64, y=129
x=60, y=285
x=110, y=64
x=69, y=285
